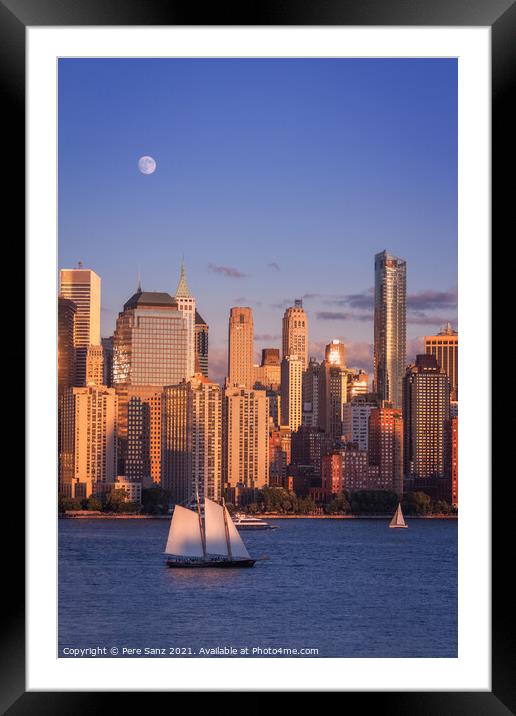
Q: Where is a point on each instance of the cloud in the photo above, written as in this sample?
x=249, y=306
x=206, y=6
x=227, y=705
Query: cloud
x=282, y=304
x=265, y=337
x=274, y=265
x=217, y=364
x=227, y=271
x=344, y=316
x=431, y=300
x=310, y=296
x=359, y=354
x=415, y=346
x=362, y=301
x=420, y=318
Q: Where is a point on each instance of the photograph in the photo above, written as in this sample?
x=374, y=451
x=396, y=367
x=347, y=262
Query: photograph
x=257, y=357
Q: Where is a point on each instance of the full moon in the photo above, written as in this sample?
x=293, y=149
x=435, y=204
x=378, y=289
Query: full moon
x=147, y=165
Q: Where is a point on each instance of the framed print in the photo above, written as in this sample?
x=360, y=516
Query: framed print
x=252, y=246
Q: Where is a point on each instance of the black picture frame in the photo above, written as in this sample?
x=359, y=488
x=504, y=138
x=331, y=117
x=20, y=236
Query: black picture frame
x=15, y=16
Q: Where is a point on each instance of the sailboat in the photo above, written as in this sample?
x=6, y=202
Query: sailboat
x=397, y=518
x=210, y=542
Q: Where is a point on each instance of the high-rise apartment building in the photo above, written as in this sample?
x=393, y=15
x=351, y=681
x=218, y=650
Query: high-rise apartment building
x=295, y=332
x=331, y=474
x=88, y=417
x=356, y=473
x=241, y=342
x=390, y=299
x=144, y=435
x=357, y=383
x=455, y=462
x=291, y=392
x=309, y=444
x=386, y=447
x=186, y=305
x=332, y=397
x=66, y=310
x=201, y=345
x=426, y=414
x=335, y=353
x=246, y=438
x=445, y=347
x=311, y=379
x=82, y=286
x=355, y=420
x=107, y=347
x=279, y=455
x=192, y=440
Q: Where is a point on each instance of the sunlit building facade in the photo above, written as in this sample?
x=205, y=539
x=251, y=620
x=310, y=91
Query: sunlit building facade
x=66, y=310
x=295, y=332
x=390, y=301
x=291, y=392
x=386, y=447
x=445, y=347
x=186, y=305
x=241, y=344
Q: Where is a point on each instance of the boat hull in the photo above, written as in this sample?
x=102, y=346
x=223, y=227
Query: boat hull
x=254, y=527
x=398, y=527
x=210, y=564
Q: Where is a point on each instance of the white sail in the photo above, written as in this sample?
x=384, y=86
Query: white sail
x=397, y=520
x=184, y=537
x=238, y=548
x=215, y=529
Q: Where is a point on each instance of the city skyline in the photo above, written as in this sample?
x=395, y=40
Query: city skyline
x=290, y=226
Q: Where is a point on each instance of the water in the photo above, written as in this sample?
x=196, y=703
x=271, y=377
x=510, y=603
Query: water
x=348, y=588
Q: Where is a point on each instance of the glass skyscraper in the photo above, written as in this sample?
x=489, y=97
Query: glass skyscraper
x=390, y=306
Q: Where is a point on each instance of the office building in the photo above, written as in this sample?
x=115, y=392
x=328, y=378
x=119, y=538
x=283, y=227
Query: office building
x=201, y=345
x=445, y=347
x=386, y=447
x=186, y=305
x=295, y=333
x=240, y=353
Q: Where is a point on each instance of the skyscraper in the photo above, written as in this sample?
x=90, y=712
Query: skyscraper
x=144, y=434
x=311, y=381
x=332, y=397
x=445, y=347
x=295, y=332
x=426, y=414
x=386, y=447
x=192, y=422
x=335, y=353
x=150, y=348
x=355, y=420
x=268, y=373
x=390, y=298
x=292, y=392
x=186, y=305
x=246, y=438
x=201, y=345
x=66, y=310
x=82, y=286
x=240, y=353
x=88, y=458
x=94, y=365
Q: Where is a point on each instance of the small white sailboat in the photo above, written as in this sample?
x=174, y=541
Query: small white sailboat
x=210, y=542
x=397, y=519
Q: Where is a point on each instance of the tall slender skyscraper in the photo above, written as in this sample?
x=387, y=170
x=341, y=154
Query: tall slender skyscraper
x=186, y=305
x=390, y=301
x=445, y=347
x=66, y=310
x=292, y=392
x=240, y=354
x=295, y=332
x=82, y=286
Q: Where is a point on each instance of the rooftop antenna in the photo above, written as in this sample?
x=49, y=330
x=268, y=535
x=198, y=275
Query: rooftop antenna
x=139, y=287
x=79, y=264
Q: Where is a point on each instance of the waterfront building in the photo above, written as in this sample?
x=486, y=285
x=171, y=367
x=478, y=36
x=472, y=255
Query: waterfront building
x=309, y=445
x=356, y=474
x=186, y=305
x=66, y=310
x=331, y=474
x=88, y=427
x=291, y=391
x=295, y=333
x=144, y=435
x=386, y=447
x=455, y=462
x=390, y=299
x=192, y=440
x=311, y=380
x=426, y=415
x=241, y=342
x=201, y=345
x=82, y=286
x=279, y=455
x=246, y=438
x=355, y=419
x=445, y=347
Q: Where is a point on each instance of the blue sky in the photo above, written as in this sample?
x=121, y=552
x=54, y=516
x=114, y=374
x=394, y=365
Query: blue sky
x=276, y=178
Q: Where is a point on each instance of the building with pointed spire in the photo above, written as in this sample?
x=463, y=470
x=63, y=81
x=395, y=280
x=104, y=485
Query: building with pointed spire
x=186, y=305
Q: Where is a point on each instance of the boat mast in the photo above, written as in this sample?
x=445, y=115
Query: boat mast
x=228, y=541
x=201, y=527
